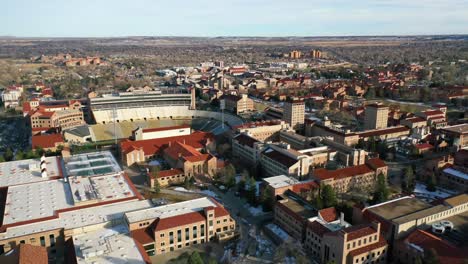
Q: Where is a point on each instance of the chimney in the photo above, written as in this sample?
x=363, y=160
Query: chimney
x=342, y=222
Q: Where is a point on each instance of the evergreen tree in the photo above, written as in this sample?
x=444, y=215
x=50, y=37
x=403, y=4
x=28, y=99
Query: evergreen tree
x=19, y=155
x=251, y=192
x=381, y=192
x=267, y=200
x=319, y=202
x=431, y=183
x=8, y=156
x=408, y=181
x=195, y=258
x=157, y=187
x=328, y=196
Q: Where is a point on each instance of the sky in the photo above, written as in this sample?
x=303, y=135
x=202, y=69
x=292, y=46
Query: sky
x=210, y=18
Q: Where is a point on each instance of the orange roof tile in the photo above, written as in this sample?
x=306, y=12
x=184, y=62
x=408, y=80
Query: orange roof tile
x=46, y=141
x=171, y=172
x=324, y=174
x=359, y=251
x=447, y=252
x=328, y=214
x=358, y=231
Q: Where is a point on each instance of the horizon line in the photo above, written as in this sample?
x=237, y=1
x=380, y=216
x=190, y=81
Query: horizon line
x=231, y=36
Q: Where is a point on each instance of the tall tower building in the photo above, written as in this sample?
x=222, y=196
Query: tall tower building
x=293, y=113
x=376, y=116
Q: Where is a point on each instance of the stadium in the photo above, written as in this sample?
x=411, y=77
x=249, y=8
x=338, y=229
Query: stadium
x=118, y=114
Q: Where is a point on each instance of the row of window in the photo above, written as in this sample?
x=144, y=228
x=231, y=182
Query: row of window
x=359, y=242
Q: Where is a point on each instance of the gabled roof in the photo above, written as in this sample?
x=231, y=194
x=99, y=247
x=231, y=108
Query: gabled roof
x=171, y=172
x=153, y=146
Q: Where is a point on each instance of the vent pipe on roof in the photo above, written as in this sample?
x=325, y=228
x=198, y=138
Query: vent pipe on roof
x=44, y=173
x=43, y=165
x=43, y=158
x=342, y=222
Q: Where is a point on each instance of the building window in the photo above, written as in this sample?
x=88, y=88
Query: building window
x=171, y=237
x=194, y=232
x=202, y=230
x=52, y=240
x=179, y=235
x=187, y=233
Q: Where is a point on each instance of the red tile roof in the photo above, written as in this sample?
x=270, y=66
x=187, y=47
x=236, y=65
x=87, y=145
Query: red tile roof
x=171, y=172
x=189, y=218
x=178, y=149
x=359, y=251
x=415, y=119
x=433, y=112
x=447, y=253
x=304, y=186
x=376, y=163
x=358, y=231
x=147, y=130
x=385, y=131
x=179, y=220
x=26, y=254
x=324, y=174
x=328, y=214
x=155, y=146
x=423, y=146
x=46, y=141
x=143, y=235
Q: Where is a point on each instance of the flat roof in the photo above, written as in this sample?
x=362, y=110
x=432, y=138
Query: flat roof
x=398, y=207
x=170, y=210
x=298, y=207
x=100, y=188
x=107, y=245
x=456, y=173
x=280, y=181
x=92, y=164
x=28, y=171
x=36, y=200
x=462, y=128
x=78, y=218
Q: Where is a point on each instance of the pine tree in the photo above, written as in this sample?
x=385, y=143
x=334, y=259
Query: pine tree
x=8, y=154
x=381, y=192
x=157, y=187
x=195, y=258
x=328, y=196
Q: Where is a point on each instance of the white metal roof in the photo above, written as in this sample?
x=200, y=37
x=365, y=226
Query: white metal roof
x=170, y=210
x=36, y=200
x=280, y=181
x=107, y=245
x=27, y=171
x=79, y=218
